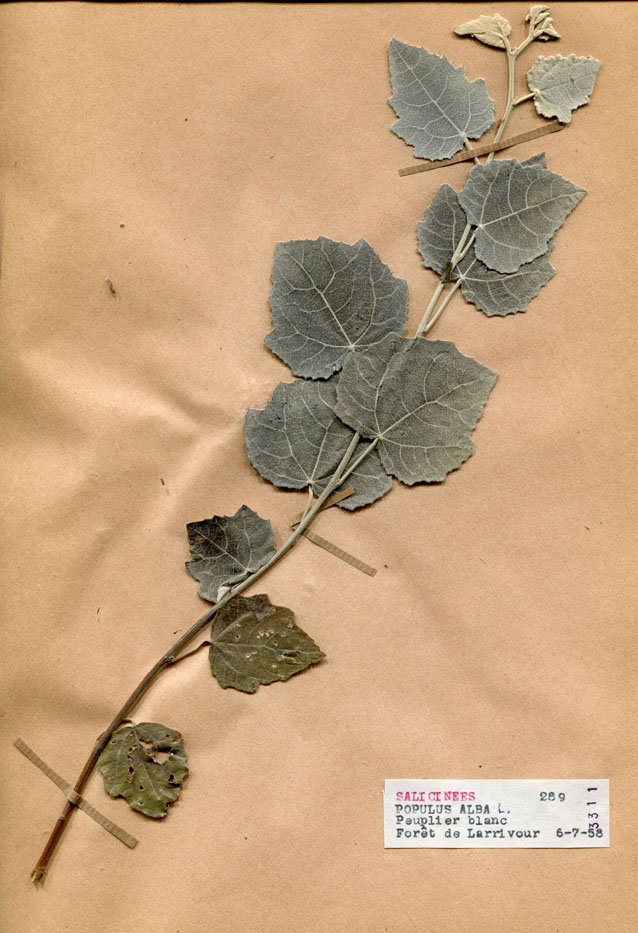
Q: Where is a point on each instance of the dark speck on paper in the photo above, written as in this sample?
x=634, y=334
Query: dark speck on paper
x=111, y=287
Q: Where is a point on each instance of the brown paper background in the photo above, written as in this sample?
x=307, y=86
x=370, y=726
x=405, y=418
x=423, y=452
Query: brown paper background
x=496, y=639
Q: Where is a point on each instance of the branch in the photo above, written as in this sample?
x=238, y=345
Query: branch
x=173, y=654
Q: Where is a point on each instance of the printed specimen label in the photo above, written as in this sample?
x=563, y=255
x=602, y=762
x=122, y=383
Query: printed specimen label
x=551, y=814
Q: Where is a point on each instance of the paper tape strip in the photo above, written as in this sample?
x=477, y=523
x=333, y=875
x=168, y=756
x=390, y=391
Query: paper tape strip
x=332, y=500
x=485, y=149
x=74, y=798
x=338, y=552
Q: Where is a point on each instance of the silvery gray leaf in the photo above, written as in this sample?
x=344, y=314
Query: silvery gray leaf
x=516, y=210
x=560, y=85
x=499, y=293
x=437, y=106
x=444, y=224
x=441, y=231
x=227, y=548
x=329, y=298
x=297, y=440
x=490, y=30
x=421, y=398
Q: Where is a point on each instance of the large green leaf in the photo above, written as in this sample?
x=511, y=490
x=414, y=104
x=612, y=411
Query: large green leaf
x=254, y=642
x=131, y=767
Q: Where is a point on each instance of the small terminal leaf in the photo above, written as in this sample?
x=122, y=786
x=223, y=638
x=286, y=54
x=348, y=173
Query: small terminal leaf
x=560, y=85
x=540, y=23
x=329, y=298
x=438, y=108
x=297, y=441
x=225, y=549
x=130, y=767
x=516, y=210
x=421, y=398
x=491, y=30
x=254, y=642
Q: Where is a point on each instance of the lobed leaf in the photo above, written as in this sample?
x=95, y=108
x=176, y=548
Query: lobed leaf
x=490, y=30
x=254, y=642
x=560, y=85
x=516, y=210
x=441, y=231
x=329, y=298
x=495, y=293
x=421, y=398
x=501, y=293
x=225, y=549
x=438, y=108
x=130, y=768
x=298, y=441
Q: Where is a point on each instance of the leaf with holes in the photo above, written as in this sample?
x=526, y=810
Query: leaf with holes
x=254, y=642
x=438, y=108
x=297, y=441
x=421, y=399
x=560, y=85
x=225, y=549
x=329, y=298
x=490, y=30
x=516, y=210
x=145, y=764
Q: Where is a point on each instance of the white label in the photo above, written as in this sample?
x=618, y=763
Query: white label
x=496, y=814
